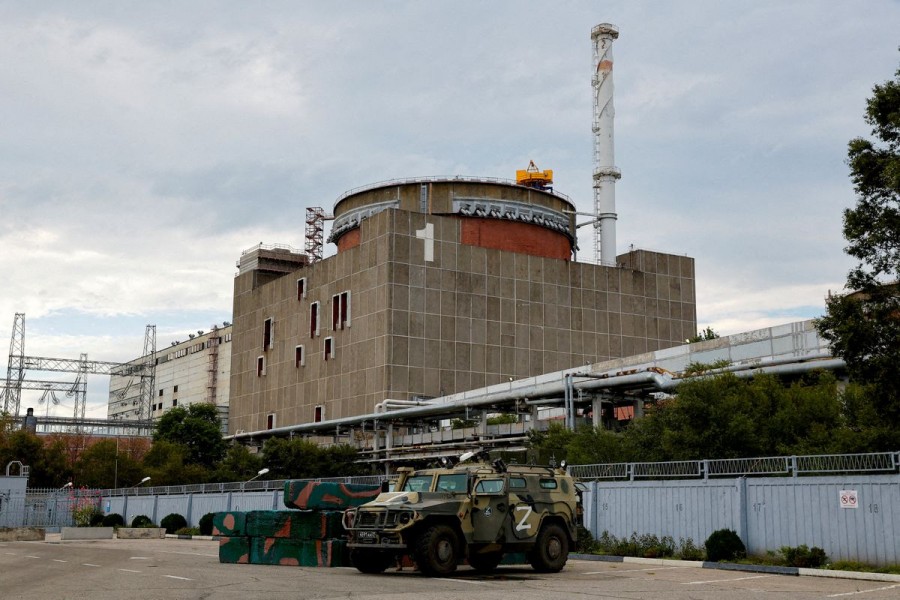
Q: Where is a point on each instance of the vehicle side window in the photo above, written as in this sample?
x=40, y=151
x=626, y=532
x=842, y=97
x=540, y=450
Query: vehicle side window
x=417, y=483
x=517, y=483
x=548, y=484
x=489, y=486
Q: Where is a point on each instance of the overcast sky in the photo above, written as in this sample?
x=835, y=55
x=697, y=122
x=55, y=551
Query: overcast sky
x=144, y=145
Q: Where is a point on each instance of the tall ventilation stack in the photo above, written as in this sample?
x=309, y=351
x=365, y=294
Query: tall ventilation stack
x=605, y=171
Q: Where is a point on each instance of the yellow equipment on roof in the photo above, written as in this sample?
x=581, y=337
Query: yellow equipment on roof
x=533, y=177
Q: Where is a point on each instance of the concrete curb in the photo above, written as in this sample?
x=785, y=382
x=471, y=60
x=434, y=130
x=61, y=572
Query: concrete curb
x=181, y=536
x=775, y=570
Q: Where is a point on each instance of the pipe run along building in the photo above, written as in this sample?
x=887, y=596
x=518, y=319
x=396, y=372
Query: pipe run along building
x=439, y=286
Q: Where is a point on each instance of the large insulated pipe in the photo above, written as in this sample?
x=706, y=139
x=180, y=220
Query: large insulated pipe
x=605, y=171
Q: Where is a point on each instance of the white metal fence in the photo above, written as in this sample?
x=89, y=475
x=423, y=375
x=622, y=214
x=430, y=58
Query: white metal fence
x=849, y=505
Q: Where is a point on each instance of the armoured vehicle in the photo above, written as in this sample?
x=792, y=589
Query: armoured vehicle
x=472, y=511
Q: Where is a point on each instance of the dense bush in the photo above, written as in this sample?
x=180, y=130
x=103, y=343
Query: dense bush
x=724, y=544
x=113, y=520
x=188, y=531
x=206, y=524
x=804, y=557
x=646, y=546
x=688, y=550
x=86, y=515
x=585, y=543
x=173, y=522
x=142, y=521
x=97, y=518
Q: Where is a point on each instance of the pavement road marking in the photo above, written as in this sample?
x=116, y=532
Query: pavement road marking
x=88, y=565
x=461, y=581
x=30, y=556
x=177, y=577
x=59, y=560
x=724, y=580
x=143, y=557
x=632, y=571
x=881, y=589
x=129, y=570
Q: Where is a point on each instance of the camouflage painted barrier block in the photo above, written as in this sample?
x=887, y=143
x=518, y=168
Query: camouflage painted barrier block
x=303, y=553
x=235, y=550
x=276, y=551
x=230, y=524
x=305, y=525
x=327, y=495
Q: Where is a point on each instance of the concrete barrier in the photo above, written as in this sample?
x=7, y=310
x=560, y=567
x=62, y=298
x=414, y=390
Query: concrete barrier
x=86, y=533
x=22, y=534
x=141, y=533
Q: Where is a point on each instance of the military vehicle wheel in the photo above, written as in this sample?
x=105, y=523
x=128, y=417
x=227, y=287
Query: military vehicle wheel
x=485, y=562
x=370, y=561
x=437, y=550
x=551, y=549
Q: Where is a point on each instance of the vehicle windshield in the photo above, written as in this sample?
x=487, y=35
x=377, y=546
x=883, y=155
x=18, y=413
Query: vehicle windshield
x=455, y=482
x=417, y=483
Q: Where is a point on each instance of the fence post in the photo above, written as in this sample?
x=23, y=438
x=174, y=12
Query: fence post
x=793, y=464
x=190, y=508
x=704, y=467
x=743, y=512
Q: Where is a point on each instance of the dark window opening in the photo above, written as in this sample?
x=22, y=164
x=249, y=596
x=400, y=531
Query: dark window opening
x=301, y=288
x=298, y=357
x=260, y=366
x=270, y=421
x=319, y=414
x=329, y=348
x=313, y=319
x=267, y=334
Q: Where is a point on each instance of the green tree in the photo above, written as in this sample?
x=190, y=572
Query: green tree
x=198, y=429
x=703, y=335
x=239, y=464
x=863, y=326
x=169, y=463
x=293, y=459
x=48, y=465
x=102, y=465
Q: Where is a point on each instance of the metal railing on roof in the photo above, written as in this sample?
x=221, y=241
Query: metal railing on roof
x=438, y=178
x=875, y=462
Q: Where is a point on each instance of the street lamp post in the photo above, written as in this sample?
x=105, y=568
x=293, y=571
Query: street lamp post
x=260, y=473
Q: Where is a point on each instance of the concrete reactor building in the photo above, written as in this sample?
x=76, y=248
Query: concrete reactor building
x=440, y=286
x=443, y=285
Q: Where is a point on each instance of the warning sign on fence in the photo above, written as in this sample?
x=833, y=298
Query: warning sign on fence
x=849, y=499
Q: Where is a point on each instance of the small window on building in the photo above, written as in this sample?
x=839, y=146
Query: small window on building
x=299, y=357
x=301, y=288
x=268, y=334
x=329, y=348
x=174, y=402
x=260, y=366
x=160, y=393
x=313, y=319
x=175, y=390
x=270, y=421
x=319, y=414
x=340, y=311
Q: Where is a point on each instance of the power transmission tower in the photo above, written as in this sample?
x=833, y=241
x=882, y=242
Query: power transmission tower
x=15, y=369
x=148, y=372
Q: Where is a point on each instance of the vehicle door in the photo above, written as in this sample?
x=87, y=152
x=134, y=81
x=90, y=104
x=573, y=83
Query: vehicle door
x=490, y=508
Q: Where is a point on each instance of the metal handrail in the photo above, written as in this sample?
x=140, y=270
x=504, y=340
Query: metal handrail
x=873, y=462
x=439, y=178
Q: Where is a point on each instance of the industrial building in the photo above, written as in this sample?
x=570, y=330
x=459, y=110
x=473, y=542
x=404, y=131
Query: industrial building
x=185, y=373
x=440, y=286
x=444, y=285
